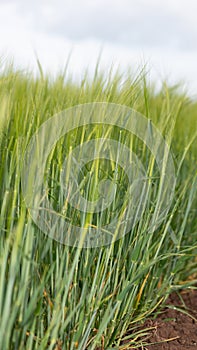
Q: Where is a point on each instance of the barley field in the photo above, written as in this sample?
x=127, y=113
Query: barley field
x=58, y=296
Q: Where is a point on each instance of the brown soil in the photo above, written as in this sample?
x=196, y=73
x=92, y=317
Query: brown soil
x=174, y=330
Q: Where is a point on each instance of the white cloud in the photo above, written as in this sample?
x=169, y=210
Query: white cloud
x=164, y=33
x=136, y=23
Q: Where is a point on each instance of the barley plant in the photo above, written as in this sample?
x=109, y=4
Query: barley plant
x=56, y=296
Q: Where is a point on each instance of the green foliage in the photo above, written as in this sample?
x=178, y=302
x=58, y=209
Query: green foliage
x=58, y=297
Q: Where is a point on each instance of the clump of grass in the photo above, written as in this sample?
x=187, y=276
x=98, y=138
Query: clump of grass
x=58, y=297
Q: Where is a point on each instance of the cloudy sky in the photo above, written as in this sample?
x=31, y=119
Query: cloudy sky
x=161, y=33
